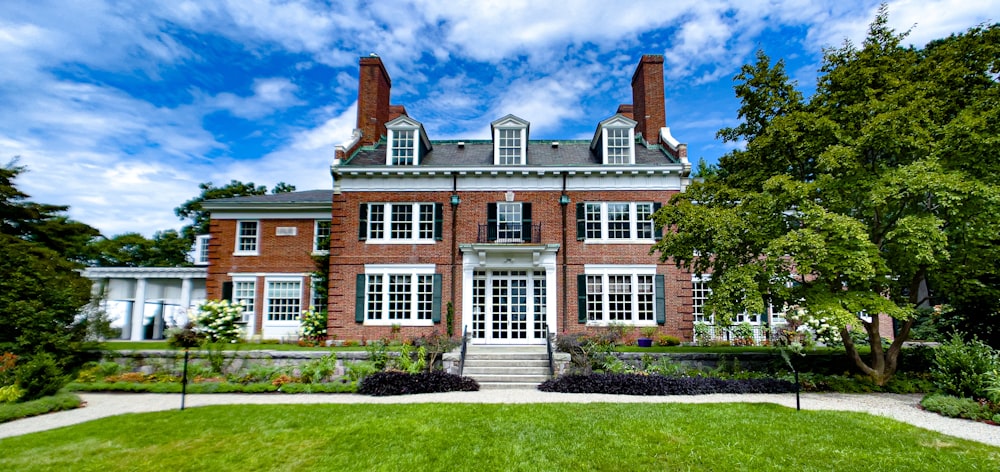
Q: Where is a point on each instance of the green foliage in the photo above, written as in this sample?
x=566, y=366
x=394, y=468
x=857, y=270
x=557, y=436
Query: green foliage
x=411, y=362
x=58, y=402
x=10, y=393
x=882, y=183
x=702, y=334
x=318, y=370
x=436, y=345
x=378, y=353
x=40, y=376
x=964, y=369
x=193, y=209
x=40, y=297
x=667, y=340
x=166, y=249
x=313, y=324
x=219, y=321
x=955, y=407
x=358, y=370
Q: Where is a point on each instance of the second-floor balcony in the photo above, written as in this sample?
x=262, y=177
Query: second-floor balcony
x=509, y=233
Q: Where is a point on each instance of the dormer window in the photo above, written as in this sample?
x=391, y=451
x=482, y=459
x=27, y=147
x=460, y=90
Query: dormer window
x=407, y=142
x=510, y=141
x=615, y=140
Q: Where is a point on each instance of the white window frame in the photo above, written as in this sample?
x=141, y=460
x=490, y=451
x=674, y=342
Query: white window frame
x=249, y=309
x=610, y=142
x=394, y=139
x=636, y=227
x=417, y=224
x=510, y=230
x=700, y=293
x=266, y=313
x=240, y=239
x=200, y=253
x=316, y=235
x=507, y=139
x=634, y=272
x=414, y=271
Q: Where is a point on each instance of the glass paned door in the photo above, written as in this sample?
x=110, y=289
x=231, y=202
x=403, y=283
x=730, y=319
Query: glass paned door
x=509, y=307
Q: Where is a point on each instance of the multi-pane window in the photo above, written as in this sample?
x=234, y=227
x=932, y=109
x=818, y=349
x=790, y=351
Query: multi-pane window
x=399, y=297
x=509, y=146
x=201, y=249
x=618, y=220
x=627, y=298
x=284, y=300
x=406, y=221
x=508, y=221
x=246, y=237
x=699, y=293
x=403, y=148
x=619, y=147
x=321, y=236
x=319, y=293
x=244, y=293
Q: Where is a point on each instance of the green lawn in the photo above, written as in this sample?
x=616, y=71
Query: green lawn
x=495, y=437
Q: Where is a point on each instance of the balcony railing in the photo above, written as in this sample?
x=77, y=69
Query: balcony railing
x=509, y=233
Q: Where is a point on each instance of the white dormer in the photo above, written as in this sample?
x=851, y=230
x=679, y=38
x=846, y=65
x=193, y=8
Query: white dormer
x=510, y=141
x=407, y=142
x=615, y=140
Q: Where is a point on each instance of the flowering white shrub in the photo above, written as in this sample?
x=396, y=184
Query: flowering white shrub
x=313, y=324
x=219, y=320
x=823, y=331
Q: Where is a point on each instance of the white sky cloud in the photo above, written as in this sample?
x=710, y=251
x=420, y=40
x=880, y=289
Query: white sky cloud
x=115, y=106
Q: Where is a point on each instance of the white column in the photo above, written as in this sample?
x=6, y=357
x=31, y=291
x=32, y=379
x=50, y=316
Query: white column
x=186, y=294
x=138, y=310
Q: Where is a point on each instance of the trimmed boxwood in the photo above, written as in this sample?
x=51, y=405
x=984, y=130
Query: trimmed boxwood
x=634, y=384
x=402, y=383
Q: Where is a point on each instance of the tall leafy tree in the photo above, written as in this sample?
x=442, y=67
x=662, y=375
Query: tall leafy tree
x=193, y=210
x=165, y=249
x=850, y=204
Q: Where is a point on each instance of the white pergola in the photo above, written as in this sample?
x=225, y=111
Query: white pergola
x=180, y=287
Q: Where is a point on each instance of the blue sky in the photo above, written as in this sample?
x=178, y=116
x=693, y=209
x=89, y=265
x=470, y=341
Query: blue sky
x=121, y=108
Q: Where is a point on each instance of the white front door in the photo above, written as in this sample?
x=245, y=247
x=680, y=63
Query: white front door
x=509, y=307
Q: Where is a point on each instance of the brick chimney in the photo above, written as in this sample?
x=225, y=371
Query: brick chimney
x=373, y=99
x=647, y=98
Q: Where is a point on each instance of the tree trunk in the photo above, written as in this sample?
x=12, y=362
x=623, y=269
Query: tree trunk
x=883, y=362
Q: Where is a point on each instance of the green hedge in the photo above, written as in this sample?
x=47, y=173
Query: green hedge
x=59, y=402
x=213, y=387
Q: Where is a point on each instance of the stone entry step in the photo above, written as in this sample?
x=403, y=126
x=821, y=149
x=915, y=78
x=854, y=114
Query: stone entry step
x=506, y=367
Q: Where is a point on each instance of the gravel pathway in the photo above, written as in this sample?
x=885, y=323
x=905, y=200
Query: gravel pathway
x=898, y=407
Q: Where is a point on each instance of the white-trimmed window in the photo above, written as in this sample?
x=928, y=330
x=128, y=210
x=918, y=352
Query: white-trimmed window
x=247, y=235
x=201, y=249
x=621, y=294
x=403, y=147
x=509, y=146
x=700, y=293
x=399, y=295
x=284, y=299
x=405, y=140
x=510, y=141
x=245, y=293
x=618, y=145
x=321, y=236
x=617, y=221
x=400, y=222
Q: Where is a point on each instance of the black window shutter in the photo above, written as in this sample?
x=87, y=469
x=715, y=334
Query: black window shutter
x=359, y=299
x=526, y=235
x=581, y=224
x=491, y=221
x=436, y=300
x=438, y=221
x=581, y=297
x=363, y=222
x=227, y=290
x=658, y=232
x=661, y=309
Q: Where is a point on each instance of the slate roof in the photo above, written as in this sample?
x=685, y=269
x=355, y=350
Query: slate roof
x=480, y=154
x=287, y=198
